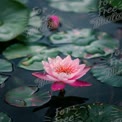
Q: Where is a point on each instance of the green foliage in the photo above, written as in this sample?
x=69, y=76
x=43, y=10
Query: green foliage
x=27, y=96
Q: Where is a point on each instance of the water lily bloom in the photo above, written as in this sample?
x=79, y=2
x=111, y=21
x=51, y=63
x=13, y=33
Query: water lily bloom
x=53, y=22
x=63, y=71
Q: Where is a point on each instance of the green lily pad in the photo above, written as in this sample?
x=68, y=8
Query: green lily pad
x=32, y=32
x=19, y=50
x=27, y=97
x=5, y=66
x=13, y=19
x=109, y=72
x=74, y=6
x=3, y=79
x=4, y=117
x=70, y=36
x=85, y=43
x=89, y=113
x=34, y=62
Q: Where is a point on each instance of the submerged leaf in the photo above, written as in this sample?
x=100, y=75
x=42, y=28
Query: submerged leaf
x=27, y=96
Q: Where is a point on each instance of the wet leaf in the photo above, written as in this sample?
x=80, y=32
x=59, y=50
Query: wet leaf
x=74, y=6
x=13, y=19
x=85, y=43
x=27, y=96
x=89, y=113
x=109, y=72
x=4, y=117
x=5, y=66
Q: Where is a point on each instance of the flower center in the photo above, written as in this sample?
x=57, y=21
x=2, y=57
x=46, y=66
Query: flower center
x=64, y=69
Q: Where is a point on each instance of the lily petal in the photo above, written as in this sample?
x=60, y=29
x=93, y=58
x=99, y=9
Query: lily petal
x=57, y=86
x=79, y=83
x=40, y=75
x=82, y=73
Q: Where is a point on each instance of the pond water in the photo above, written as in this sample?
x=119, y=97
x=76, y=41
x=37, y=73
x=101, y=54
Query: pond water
x=103, y=94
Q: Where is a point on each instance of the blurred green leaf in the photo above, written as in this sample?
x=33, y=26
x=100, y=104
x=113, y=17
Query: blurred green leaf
x=85, y=43
x=3, y=79
x=4, y=117
x=13, y=19
x=90, y=113
x=109, y=72
x=20, y=50
x=32, y=32
x=5, y=66
x=35, y=62
x=74, y=6
x=27, y=96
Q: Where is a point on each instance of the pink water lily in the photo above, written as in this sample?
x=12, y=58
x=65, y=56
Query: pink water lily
x=63, y=71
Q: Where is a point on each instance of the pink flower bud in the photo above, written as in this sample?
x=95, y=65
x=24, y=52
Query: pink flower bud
x=53, y=22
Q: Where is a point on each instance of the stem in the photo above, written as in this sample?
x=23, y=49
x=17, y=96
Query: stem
x=61, y=93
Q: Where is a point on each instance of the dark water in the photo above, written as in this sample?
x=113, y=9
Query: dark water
x=98, y=92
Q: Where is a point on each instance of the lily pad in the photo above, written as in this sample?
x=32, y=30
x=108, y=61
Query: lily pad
x=34, y=62
x=4, y=117
x=70, y=36
x=89, y=113
x=85, y=43
x=27, y=96
x=109, y=72
x=3, y=79
x=13, y=19
x=32, y=32
x=20, y=50
x=5, y=66
x=74, y=6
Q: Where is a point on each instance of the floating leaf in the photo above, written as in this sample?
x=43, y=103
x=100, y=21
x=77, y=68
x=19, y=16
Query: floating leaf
x=13, y=19
x=3, y=79
x=4, y=117
x=5, y=66
x=85, y=43
x=109, y=72
x=27, y=96
x=19, y=50
x=32, y=32
x=70, y=36
x=34, y=62
x=74, y=6
x=89, y=113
